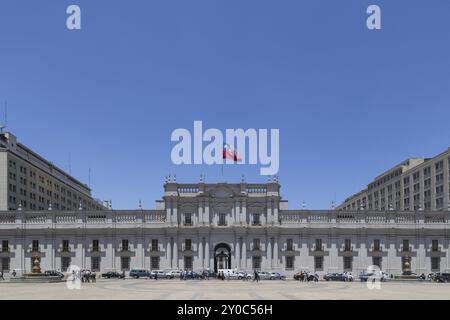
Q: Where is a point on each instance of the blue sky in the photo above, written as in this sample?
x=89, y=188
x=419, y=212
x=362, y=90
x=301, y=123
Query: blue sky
x=349, y=102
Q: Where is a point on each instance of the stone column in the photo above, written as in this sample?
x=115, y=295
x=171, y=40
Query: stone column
x=275, y=253
x=237, y=253
x=169, y=253
x=269, y=254
x=200, y=253
x=200, y=213
x=207, y=264
x=175, y=253
x=244, y=254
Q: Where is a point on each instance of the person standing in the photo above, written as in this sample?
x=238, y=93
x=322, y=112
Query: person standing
x=1, y=276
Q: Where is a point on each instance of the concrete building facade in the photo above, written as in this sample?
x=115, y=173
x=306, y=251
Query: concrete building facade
x=240, y=226
x=415, y=184
x=30, y=182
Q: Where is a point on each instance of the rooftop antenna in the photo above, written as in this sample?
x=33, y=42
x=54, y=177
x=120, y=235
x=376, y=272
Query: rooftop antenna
x=3, y=126
x=89, y=179
x=70, y=163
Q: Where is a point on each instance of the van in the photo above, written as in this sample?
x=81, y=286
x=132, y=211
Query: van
x=139, y=273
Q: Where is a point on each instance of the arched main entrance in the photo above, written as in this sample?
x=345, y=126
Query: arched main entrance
x=222, y=257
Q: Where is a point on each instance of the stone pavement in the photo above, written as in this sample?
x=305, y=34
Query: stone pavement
x=224, y=290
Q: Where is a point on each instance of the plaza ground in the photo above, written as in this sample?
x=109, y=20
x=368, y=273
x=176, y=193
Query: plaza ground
x=223, y=290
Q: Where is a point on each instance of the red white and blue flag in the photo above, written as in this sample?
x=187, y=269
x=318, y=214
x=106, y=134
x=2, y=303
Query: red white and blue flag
x=229, y=153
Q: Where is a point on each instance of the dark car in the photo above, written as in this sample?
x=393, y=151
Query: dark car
x=335, y=277
x=141, y=273
x=441, y=277
x=112, y=274
x=54, y=273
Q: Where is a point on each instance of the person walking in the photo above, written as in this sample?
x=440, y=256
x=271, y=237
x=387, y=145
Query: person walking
x=1, y=276
x=156, y=275
x=256, y=275
x=123, y=274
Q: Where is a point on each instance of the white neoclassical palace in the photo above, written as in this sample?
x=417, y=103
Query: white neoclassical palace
x=243, y=226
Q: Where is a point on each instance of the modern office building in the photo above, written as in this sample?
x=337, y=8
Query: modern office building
x=29, y=182
x=240, y=226
x=414, y=184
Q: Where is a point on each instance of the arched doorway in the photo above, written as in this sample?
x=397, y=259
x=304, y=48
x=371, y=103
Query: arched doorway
x=222, y=257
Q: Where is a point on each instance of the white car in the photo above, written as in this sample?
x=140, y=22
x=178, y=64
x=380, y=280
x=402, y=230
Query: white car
x=173, y=274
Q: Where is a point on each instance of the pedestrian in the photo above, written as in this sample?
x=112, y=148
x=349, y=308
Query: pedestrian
x=123, y=274
x=1, y=275
x=156, y=275
x=14, y=273
x=256, y=276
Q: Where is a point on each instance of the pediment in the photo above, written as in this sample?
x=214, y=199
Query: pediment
x=221, y=193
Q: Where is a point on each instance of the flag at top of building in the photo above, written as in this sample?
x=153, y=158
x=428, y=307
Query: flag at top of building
x=229, y=153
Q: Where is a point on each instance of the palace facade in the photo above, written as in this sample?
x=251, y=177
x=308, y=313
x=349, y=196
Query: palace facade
x=240, y=226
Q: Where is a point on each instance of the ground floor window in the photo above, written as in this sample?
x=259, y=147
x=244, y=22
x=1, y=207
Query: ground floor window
x=65, y=263
x=5, y=264
x=348, y=263
x=95, y=264
x=256, y=262
x=289, y=263
x=318, y=263
x=376, y=261
x=154, y=263
x=188, y=263
x=435, y=264
x=125, y=263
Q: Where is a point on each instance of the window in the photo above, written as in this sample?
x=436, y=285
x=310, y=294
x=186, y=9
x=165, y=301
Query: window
x=35, y=246
x=347, y=245
x=256, y=262
x=434, y=245
x=376, y=245
x=95, y=245
x=256, y=244
x=125, y=263
x=188, y=219
x=155, y=245
x=405, y=245
x=95, y=264
x=188, y=263
x=290, y=245
x=348, y=263
x=154, y=263
x=65, y=246
x=65, y=263
x=256, y=219
x=222, y=219
x=289, y=263
x=188, y=245
x=318, y=263
x=124, y=245
x=435, y=264
x=318, y=245
x=5, y=264
x=376, y=261
x=5, y=246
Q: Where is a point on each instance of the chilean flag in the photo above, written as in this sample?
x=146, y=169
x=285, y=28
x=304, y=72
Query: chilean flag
x=228, y=153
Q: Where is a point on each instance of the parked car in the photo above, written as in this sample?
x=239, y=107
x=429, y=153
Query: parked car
x=337, y=277
x=264, y=275
x=173, y=274
x=377, y=275
x=54, y=273
x=242, y=275
x=277, y=276
x=160, y=274
x=112, y=274
x=140, y=273
x=441, y=277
